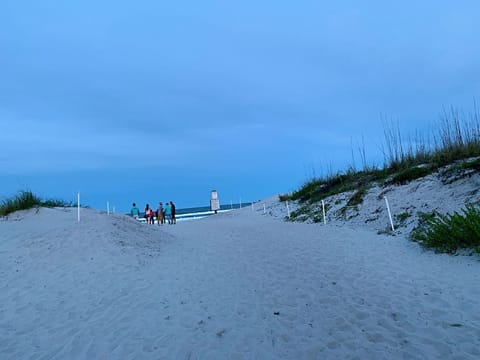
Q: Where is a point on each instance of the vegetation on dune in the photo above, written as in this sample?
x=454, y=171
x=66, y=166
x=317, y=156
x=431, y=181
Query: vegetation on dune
x=455, y=141
x=449, y=233
x=317, y=189
x=357, y=197
x=27, y=200
x=410, y=174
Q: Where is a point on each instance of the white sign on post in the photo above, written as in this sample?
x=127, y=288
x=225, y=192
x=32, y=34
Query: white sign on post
x=214, y=201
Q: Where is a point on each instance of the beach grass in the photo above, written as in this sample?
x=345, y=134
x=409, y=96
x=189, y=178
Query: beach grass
x=451, y=232
x=26, y=199
x=455, y=137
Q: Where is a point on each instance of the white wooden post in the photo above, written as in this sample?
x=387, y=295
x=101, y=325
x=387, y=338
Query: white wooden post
x=323, y=210
x=252, y=207
x=264, y=209
x=389, y=213
x=108, y=208
x=288, y=209
x=78, y=206
x=240, y=203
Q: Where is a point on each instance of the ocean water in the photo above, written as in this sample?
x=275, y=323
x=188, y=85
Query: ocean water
x=203, y=211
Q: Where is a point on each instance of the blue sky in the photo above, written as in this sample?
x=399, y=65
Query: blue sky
x=151, y=101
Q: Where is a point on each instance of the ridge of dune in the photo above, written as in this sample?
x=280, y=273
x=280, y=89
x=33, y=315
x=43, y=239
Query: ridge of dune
x=444, y=191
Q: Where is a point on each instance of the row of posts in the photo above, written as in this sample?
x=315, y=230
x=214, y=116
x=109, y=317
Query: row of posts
x=78, y=207
x=324, y=213
x=214, y=197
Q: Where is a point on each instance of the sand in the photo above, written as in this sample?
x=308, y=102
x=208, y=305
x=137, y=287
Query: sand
x=238, y=285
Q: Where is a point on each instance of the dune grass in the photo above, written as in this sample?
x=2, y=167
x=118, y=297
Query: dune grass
x=455, y=137
x=27, y=200
x=449, y=233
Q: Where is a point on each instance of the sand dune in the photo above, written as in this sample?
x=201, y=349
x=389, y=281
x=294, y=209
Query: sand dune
x=239, y=285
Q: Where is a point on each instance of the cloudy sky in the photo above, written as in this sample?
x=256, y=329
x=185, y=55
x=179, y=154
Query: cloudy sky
x=152, y=100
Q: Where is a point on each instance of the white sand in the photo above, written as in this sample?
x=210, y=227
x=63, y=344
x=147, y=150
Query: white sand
x=240, y=285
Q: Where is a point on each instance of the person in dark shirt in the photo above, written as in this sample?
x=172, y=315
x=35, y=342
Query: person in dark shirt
x=174, y=219
x=147, y=215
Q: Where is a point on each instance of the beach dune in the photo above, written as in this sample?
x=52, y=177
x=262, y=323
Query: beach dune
x=237, y=285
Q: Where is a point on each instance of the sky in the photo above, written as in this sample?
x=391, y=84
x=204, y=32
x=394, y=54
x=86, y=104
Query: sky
x=152, y=101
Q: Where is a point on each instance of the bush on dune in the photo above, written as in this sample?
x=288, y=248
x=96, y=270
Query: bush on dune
x=27, y=200
x=449, y=233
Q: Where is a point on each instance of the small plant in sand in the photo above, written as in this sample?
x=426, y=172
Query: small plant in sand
x=449, y=233
x=303, y=213
x=27, y=200
x=386, y=231
x=402, y=217
x=473, y=164
x=410, y=174
x=357, y=197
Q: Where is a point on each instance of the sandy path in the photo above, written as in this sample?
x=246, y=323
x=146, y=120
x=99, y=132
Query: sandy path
x=338, y=292
x=237, y=286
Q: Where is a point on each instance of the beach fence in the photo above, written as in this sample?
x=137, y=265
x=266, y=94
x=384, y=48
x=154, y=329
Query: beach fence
x=262, y=204
x=324, y=212
x=387, y=205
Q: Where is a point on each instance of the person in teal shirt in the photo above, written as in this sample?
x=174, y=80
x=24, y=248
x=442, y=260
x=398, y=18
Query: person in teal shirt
x=135, y=212
x=168, y=212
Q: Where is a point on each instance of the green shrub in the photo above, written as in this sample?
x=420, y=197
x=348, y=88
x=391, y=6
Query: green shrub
x=302, y=213
x=27, y=200
x=410, y=174
x=469, y=165
x=317, y=189
x=448, y=233
x=357, y=197
x=403, y=216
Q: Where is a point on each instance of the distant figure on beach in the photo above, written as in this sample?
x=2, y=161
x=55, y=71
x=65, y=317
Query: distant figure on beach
x=147, y=215
x=168, y=212
x=160, y=220
x=135, y=212
x=174, y=219
x=152, y=216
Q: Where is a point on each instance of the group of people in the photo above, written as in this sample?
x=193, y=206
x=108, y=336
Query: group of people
x=163, y=214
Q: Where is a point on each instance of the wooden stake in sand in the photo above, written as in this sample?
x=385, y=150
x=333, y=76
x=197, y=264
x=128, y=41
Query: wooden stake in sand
x=323, y=209
x=389, y=213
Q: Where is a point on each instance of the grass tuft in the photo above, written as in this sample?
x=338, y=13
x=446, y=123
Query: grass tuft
x=448, y=233
x=27, y=200
x=405, y=176
x=357, y=197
